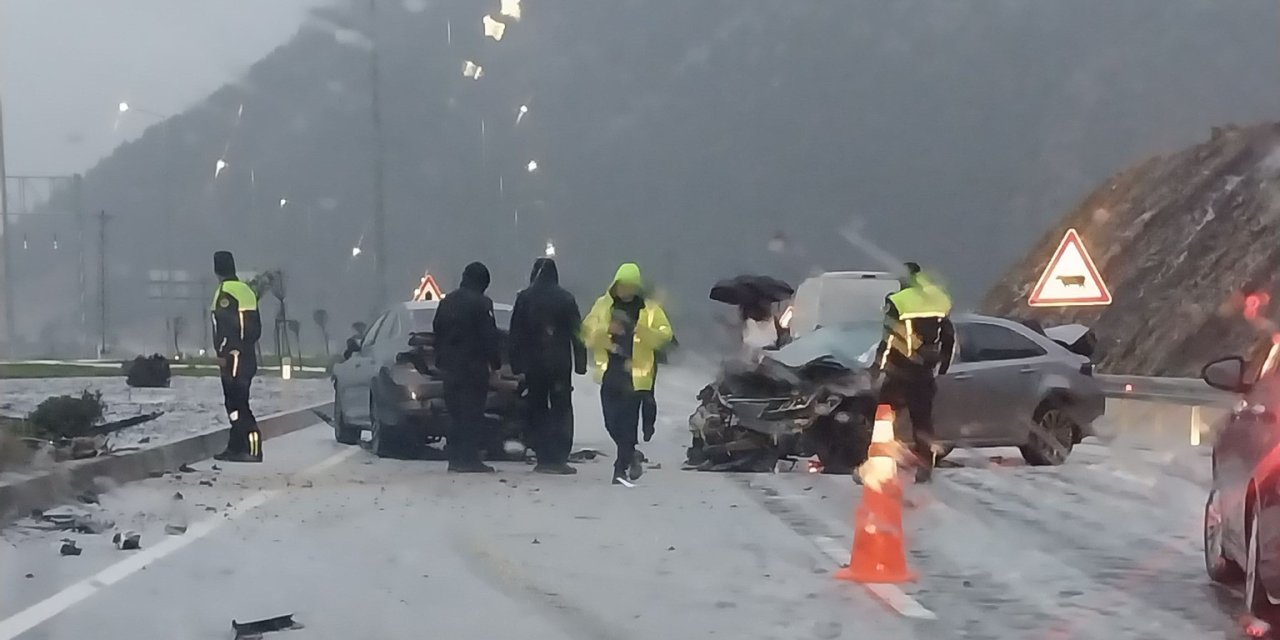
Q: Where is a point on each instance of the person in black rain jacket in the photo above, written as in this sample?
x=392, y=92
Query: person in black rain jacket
x=546, y=349
x=468, y=350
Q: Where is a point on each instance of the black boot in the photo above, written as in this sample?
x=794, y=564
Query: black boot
x=553, y=469
x=636, y=468
x=924, y=472
x=470, y=467
x=237, y=456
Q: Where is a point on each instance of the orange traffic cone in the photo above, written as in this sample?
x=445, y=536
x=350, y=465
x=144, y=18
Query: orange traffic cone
x=878, y=552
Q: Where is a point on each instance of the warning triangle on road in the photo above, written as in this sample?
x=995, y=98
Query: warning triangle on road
x=1071, y=279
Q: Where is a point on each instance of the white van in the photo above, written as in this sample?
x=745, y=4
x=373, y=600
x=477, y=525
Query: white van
x=839, y=298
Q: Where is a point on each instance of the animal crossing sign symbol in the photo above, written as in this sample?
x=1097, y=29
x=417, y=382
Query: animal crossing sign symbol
x=1071, y=279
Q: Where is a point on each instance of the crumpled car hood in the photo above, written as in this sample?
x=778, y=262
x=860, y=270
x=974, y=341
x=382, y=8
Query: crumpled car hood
x=850, y=346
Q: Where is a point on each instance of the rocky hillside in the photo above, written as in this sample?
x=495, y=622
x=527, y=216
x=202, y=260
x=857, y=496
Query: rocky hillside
x=1181, y=240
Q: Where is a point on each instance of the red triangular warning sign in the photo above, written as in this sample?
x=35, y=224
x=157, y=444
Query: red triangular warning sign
x=1071, y=279
x=427, y=289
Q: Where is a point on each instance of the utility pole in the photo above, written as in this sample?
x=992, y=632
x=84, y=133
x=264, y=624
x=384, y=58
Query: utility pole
x=102, y=284
x=6, y=260
x=82, y=276
x=379, y=212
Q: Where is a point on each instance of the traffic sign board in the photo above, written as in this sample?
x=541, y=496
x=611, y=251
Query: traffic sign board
x=427, y=289
x=1071, y=279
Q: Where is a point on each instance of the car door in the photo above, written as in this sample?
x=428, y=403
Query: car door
x=952, y=405
x=352, y=377
x=1247, y=437
x=999, y=377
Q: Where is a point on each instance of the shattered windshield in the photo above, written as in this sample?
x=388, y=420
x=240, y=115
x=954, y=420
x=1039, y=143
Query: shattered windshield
x=851, y=344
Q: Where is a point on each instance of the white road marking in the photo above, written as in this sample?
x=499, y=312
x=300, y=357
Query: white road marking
x=27, y=619
x=890, y=594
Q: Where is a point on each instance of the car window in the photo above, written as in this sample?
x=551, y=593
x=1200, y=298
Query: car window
x=371, y=336
x=988, y=342
x=421, y=319
x=387, y=333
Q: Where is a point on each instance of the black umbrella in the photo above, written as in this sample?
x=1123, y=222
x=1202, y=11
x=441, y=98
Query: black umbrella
x=751, y=291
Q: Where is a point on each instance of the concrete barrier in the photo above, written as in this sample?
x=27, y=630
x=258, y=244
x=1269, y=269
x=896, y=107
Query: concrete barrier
x=62, y=482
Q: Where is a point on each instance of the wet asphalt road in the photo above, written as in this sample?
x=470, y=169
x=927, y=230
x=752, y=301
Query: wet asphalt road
x=1107, y=546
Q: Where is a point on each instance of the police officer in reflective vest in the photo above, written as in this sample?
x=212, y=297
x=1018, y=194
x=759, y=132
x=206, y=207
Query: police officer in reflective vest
x=236, y=329
x=917, y=346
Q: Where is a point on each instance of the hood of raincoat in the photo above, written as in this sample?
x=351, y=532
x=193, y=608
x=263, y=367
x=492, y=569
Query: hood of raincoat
x=544, y=271
x=224, y=265
x=475, y=277
x=628, y=273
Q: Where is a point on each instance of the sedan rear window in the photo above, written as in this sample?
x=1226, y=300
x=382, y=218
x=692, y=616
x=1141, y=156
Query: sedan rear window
x=422, y=318
x=986, y=342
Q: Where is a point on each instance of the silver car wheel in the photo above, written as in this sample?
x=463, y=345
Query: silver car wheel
x=1055, y=436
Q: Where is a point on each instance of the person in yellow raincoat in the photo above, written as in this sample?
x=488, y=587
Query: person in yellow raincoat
x=624, y=331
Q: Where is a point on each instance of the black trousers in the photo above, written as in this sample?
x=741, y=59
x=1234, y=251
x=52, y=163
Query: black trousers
x=914, y=392
x=237, y=376
x=649, y=405
x=621, y=419
x=550, y=403
x=648, y=410
x=464, y=399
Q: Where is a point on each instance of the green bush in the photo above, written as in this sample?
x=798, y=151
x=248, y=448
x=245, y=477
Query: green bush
x=68, y=416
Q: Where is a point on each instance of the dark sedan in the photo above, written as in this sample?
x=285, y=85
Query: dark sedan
x=390, y=387
x=1242, y=513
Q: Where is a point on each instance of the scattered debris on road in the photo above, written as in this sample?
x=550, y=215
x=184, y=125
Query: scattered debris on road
x=186, y=468
x=255, y=629
x=155, y=474
x=88, y=497
x=144, y=440
x=206, y=483
x=536, y=541
x=216, y=468
x=586, y=455
x=308, y=484
x=175, y=529
x=128, y=541
x=69, y=548
x=30, y=576
x=177, y=495
x=69, y=518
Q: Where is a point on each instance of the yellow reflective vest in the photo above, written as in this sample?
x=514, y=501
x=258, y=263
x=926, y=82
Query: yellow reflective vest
x=652, y=333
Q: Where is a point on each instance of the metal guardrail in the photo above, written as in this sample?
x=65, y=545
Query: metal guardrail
x=1184, y=391
x=1164, y=410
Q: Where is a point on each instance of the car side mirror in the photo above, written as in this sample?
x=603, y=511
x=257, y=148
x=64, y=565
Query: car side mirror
x=1226, y=374
x=353, y=346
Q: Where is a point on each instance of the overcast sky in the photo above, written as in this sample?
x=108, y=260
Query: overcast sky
x=65, y=65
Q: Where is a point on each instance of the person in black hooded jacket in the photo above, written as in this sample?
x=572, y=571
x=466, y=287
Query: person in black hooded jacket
x=546, y=349
x=468, y=350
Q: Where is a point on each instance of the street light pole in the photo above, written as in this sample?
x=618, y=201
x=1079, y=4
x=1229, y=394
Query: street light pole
x=6, y=262
x=379, y=205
